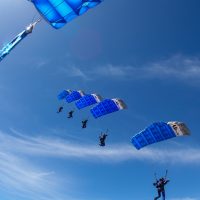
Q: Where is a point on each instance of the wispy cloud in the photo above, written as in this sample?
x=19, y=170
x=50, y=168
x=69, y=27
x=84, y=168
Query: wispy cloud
x=119, y=153
x=21, y=177
x=177, y=67
x=77, y=72
x=35, y=181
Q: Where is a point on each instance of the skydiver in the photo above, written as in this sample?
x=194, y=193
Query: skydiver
x=102, y=139
x=160, y=185
x=11, y=45
x=70, y=114
x=84, y=123
x=60, y=109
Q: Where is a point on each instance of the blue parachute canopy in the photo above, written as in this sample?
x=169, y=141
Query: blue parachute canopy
x=107, y=106
x=88, y=100
x=60, y=12
x=63, y=94
x=159, y=131
x=74, y=95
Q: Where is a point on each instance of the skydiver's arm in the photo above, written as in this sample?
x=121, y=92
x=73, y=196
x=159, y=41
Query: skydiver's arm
x=166, y=181
x=155, y=184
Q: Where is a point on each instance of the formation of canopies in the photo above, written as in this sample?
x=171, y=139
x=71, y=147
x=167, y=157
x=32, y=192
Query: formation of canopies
x=58, y=13
x=82, y=100
x=156, y=132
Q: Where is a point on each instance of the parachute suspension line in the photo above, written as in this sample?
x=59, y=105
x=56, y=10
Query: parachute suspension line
x=155, y=176
x=34, y=16
x=166, y=173
x=88, y=117
x=63, y=104
x=37, y=21
x=104, y=132
x=74, y=108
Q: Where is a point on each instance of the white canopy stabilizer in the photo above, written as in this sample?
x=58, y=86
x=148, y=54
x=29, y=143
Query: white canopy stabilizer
x=179, y=128
x=97, y=97
x=120, y=104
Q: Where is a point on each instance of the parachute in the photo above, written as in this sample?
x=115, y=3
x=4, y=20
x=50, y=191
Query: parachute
x=88, y=100
x=55, y=12
x=63, y=94
x=60, y=12
x=74, y=96
x=107, y=106
x=159, y=131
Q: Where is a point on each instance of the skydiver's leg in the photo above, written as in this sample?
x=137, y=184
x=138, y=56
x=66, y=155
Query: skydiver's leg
x=159, y=195
x=163, y=194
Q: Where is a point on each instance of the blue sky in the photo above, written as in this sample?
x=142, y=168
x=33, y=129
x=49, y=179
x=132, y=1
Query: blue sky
x=145, y=52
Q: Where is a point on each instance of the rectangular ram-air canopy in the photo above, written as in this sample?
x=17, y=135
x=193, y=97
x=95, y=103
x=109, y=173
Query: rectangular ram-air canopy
x=74, y=96
x=62, y=95
x=88, y=100
x=60, y=12
x=107, y=106
x=156, y=132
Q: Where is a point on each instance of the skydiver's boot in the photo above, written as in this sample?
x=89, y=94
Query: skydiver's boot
x=159, y=195
x=60, y=109
x=163, y=195
x=102, y=144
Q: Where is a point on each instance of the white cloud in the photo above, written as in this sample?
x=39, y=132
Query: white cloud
x=74, y=71
x=177, y=67
x=119, y=153
x=35, y=181
x=180, y=67
x=21, y=177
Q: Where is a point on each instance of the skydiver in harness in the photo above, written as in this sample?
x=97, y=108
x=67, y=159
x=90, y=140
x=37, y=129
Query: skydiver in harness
x=160, y=185
x=84, y=123
x=12, y=44
x=60, y=109
x=102, y=139
x=70, y=114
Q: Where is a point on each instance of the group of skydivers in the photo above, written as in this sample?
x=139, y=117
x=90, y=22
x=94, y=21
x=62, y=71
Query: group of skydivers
x=102, y=137
x=159, y=184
